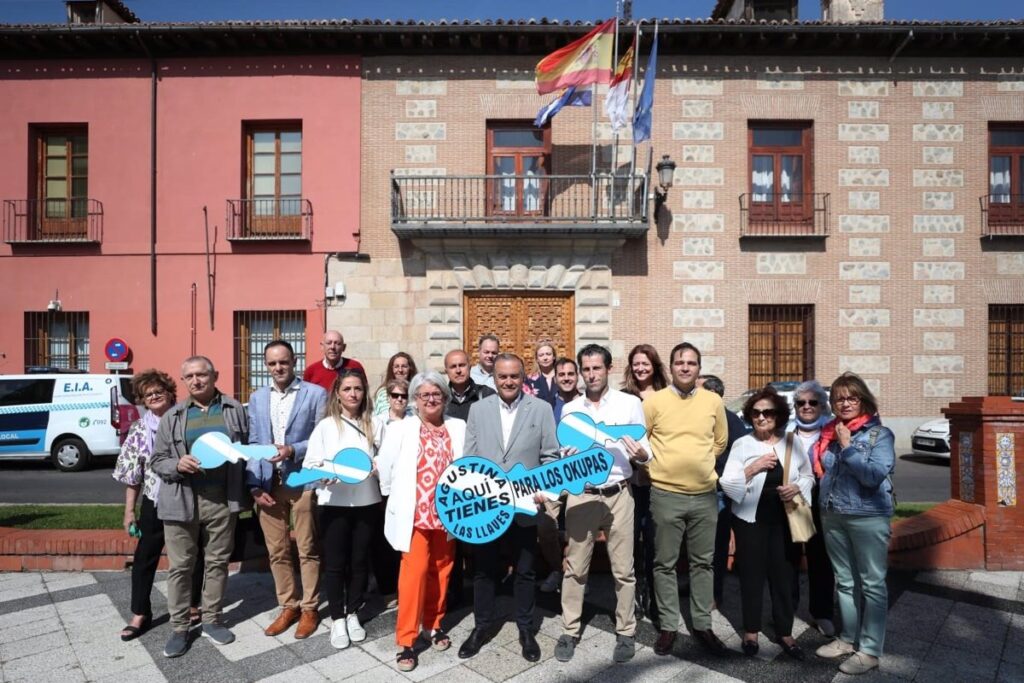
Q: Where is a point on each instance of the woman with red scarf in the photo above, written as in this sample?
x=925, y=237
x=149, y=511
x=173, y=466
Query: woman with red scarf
x=854, y=458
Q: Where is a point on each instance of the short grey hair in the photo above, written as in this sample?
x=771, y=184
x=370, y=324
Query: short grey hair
x=812, y=386
x=197, y=359
x=431, y=377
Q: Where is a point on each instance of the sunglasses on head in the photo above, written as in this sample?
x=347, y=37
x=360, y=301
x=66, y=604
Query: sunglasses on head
x=766, y=414
x=801, y=403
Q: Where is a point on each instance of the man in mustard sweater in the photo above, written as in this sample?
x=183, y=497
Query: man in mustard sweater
x=687, y=429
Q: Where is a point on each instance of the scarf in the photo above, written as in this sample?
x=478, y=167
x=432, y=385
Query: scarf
x=811, y=426
x=828, y=435
x=151, y=422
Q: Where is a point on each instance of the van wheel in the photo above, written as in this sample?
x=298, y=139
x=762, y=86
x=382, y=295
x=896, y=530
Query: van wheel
x=70, y=455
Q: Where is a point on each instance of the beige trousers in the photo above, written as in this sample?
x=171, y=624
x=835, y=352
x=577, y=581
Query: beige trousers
x=585, y=516
x=182, y=539
x=298, y=507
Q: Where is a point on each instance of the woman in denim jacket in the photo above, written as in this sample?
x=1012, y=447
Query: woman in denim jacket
x=854, y=459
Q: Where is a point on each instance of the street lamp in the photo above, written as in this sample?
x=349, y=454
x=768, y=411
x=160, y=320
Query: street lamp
x=666, y=170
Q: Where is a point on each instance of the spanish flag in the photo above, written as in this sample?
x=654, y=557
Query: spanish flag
x=585, y=61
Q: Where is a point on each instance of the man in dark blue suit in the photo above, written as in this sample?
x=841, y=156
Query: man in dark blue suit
x=284, y=415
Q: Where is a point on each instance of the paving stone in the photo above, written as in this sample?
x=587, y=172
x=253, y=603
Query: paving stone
x=42, y=665
x=345, y=664
x=983, y=638
x=24, y=586
x=149, y=673
x=25, y=647
x=1010, y=672
x=459, y=675
x=302, y=673
x=57, y=581
x=939, y=577
x=31, y=629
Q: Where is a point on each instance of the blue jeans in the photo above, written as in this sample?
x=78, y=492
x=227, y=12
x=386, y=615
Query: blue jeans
x=859, y=549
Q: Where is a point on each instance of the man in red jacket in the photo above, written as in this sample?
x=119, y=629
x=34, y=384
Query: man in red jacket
x=326, y=371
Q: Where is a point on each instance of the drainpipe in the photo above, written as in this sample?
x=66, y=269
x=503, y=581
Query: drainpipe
x=152, y=184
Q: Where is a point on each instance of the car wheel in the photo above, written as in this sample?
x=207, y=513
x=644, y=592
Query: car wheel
x=70, y=455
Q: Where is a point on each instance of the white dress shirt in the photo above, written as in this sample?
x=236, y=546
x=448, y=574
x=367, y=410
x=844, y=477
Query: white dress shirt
x=508, y=411
x=614, y=408
x=281, y=404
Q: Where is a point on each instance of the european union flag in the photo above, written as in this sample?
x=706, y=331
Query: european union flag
x=642, y=116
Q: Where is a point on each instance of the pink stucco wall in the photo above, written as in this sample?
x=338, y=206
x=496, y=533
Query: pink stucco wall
x=203, y=105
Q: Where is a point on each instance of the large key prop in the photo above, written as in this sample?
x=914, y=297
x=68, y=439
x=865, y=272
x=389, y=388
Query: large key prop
x=349, y=465
x=477, y=500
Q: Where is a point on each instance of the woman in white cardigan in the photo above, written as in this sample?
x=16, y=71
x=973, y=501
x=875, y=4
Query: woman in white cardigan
x=412, y=457
x=759, y=488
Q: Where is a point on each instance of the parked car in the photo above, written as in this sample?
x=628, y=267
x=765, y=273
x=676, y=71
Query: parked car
x=65, y=417
x=932, y=439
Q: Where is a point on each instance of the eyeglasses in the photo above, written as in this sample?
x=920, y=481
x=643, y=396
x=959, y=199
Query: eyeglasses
x=846, y=399
x=766, y=414
x=159, y=393
x=430, y=398
x=813, y=403
x=396, y=396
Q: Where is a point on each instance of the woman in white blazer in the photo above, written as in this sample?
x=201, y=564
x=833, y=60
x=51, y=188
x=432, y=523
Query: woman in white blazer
x=412, y=457
x=755, y=480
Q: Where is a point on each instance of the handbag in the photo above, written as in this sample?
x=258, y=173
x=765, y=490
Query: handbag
x=798, y=512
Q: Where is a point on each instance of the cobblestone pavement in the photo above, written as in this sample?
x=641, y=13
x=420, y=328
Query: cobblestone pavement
x=943, y=626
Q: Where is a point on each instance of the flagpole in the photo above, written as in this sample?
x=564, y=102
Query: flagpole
x=636, y=77
x=615, y=63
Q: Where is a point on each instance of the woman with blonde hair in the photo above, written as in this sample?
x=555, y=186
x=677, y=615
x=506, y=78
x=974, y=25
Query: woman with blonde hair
x=349, y=513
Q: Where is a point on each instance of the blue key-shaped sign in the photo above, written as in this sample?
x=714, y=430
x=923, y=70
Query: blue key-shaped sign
x=476, y=499
x=213, y=449
x=349, y=466
x=578, y=430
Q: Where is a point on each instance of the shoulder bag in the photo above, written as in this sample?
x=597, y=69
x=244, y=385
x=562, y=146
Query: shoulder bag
x=798, y=512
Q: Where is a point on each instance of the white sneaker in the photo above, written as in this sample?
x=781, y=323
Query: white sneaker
x=339, y=635
x=552, y=584
x=826, y=628
x=859, y=663
x=355, y=630
x=834, y=648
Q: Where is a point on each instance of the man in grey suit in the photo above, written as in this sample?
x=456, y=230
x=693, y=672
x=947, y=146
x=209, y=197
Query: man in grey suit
x=284, y=415
x=508, y=428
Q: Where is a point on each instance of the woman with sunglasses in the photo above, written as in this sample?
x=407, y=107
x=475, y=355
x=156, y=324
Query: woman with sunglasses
x=398, y=408
x=854, y=458
x=349, y=513
x=755, y=480
x=810, y=401
x=415, y=453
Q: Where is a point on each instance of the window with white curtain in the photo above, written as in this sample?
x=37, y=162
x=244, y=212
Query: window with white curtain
x=1006, y=164
x=57, y=339
x=519, y=155
x=781, y=153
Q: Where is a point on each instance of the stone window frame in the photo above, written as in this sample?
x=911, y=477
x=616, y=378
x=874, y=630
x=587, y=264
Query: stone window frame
x=1005, y=349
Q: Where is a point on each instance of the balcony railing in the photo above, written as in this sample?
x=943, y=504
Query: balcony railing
x=517, y=204
x=784, y=215
x=53, y=221
x=1002, y=215
x=269, y=219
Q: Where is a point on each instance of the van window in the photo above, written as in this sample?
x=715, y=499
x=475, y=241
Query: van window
x=21, y=391
x=126, y=390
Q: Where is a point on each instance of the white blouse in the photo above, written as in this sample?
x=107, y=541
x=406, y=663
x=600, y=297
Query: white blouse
x=746, y=494
x=324, y=444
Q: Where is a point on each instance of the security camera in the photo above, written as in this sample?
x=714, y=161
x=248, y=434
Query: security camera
x=53, y=306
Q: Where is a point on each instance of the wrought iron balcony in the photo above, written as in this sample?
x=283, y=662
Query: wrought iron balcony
x=53, y=221
x=254, y=220
x=1002, y=215
x=784, y=215
x=561, y=205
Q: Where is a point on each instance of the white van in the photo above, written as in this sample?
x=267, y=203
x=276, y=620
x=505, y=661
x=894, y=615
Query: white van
x=66, y=417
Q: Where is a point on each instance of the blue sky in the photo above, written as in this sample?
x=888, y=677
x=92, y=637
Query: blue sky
x=52, y=11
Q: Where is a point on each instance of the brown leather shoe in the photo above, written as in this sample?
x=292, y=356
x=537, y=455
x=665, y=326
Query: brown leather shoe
x=284, y=621
x=663, y=645
x=308, y=624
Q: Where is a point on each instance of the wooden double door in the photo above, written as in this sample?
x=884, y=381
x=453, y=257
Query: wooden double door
x=520, y=320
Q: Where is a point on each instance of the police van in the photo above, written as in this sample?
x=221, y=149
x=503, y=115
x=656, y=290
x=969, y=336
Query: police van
x=68, y=418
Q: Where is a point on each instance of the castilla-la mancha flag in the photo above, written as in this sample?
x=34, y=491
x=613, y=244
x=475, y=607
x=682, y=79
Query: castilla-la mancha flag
x=585, y=61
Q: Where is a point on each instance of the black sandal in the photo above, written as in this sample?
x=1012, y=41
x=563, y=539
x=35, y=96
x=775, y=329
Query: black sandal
x=440, y=641
x=130, y=632
x=407, y=659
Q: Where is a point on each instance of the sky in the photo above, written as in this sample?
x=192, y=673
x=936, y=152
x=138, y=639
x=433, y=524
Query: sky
x=52, y=11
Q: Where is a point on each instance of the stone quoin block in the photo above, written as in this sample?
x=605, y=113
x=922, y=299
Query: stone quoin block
x=698, y=109
x=698, y=199
x=1010, y=264
x=865, y=294
x=938, y=317
x=705, y=341
x=687, y=130
x=697, y=86
x=854, y=223
x=862, y=247
x=698, y=222
x=939, y=294
x=938, y=270
x=938, y=132
x=698, y=270
x=940, y=387
x=864, y=317
x=938, y=365
x=420, y=109
x=864, y=132
x=864, y=201
x=863, y=155
x=864, y=270
x=698, y=246
x=699, y=154
x=937, y=110
x=420, y=154
x=945, y=223
x=862, y=109
x=937, y=155
x=863, y=177
x=855, y=88
x=782, y=264
x=698, y=317
x=865, y=341
x=699, y=176
x=421, y=131
x=938, y=177
x=865, y=365
x=423, y=87
x=938, y=201
x=698, y=294
x=780, y=81
x=940, y=247
x=939, y=341
x=938, y=89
